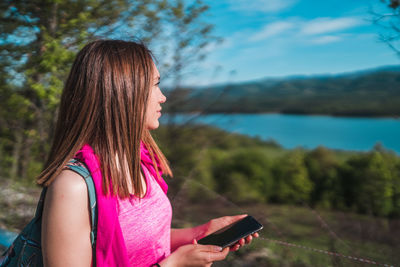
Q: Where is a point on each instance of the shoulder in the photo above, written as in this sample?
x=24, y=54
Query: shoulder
x=68, y=183
x=66, y=222
x=68, y=192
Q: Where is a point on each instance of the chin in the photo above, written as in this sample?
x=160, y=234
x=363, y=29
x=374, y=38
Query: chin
x=153, y=126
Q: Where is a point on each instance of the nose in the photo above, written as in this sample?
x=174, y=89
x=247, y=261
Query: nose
x=163, y=98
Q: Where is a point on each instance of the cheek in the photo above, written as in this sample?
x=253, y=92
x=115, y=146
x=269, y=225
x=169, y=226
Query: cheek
x=151, y=119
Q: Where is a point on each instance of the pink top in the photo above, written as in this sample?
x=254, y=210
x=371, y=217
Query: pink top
x=110, y=244
x=146, y=224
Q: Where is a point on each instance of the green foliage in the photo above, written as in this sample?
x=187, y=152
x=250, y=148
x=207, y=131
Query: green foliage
x=368, y=183
x=243, y=175
x=396, y=188
x=291, y=181
x=322, y=165
x=39, y=40
x=248, y=170
x=374, y=93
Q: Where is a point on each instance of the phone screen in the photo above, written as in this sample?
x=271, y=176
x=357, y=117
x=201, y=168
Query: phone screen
x=232, y=233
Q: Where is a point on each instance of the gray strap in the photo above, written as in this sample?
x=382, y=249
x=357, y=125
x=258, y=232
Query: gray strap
x=83, y=171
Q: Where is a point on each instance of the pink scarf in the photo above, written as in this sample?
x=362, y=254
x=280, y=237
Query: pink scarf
x=146, y=160
x=110, y=244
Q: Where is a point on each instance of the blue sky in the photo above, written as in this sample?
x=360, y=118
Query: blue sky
x=275, y=38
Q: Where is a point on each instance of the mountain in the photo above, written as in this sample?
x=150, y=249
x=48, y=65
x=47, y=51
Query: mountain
x=372, y=92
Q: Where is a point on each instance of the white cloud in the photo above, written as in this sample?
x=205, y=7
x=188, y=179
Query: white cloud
x=215, y=46
x=272, y=29
x=294, y=28
x=326, y=39
x=266, y=6
x=325, y=25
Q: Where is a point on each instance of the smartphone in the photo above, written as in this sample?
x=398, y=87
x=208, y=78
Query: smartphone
x=231, y=234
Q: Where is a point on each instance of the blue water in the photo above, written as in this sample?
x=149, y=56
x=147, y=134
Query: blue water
x=290, y=131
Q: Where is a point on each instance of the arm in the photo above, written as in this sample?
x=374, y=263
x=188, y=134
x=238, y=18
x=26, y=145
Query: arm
x=186, y=251
x=184, y=236
x=66, y=222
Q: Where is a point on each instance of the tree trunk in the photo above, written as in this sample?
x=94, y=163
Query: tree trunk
x=42, y=126
x=26, y=157
x=16, y=155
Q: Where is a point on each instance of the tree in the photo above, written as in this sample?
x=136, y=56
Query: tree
x=322, y=167
x=291, y=182
x=244, y=175
x=390, y=22
x=367, y=183
x=38, y=42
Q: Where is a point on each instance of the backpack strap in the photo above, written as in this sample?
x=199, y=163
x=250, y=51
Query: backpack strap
x=26, y=248
x=39, y=207
x=81, y=169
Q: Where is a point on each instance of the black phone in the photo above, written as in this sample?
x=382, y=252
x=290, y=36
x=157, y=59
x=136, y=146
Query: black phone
x=230, y=234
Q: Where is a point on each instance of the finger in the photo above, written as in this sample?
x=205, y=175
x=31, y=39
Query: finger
x=237, y=217
x=225, y=251
x=216, y=256
x=231, y=219
x=238, y=244
x=248, y=239
x=256, y=235
x=235, y=247
x=240, y=216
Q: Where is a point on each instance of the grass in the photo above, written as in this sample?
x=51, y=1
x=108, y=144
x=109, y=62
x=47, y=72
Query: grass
x=18, y=204
x=346, y=233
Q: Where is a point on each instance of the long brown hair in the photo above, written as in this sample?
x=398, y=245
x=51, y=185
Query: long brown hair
x=103, y=104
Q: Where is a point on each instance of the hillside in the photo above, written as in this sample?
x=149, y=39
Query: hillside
x=374, y=92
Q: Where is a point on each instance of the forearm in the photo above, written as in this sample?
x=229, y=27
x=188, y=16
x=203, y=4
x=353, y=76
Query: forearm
x=184, y=236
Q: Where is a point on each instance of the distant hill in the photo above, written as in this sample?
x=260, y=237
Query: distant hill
x=372, y=92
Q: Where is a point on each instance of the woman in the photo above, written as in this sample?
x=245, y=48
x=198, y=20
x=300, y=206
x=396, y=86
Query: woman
x=110, y=102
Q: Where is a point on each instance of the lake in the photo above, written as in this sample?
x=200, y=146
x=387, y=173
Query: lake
x=290, y=131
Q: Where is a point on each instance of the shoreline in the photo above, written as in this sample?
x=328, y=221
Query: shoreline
x=396, y=117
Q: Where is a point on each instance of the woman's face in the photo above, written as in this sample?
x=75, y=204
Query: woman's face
x=156, y=98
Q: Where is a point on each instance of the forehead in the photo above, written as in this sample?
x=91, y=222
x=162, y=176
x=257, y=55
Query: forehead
x=156, y=74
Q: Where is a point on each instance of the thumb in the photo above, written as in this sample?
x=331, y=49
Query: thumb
x=212, y=248
x=241, y=216
x=232, y=219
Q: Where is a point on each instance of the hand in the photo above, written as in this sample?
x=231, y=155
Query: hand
x=219, y=223
x=195, y=255
x=241, y=242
